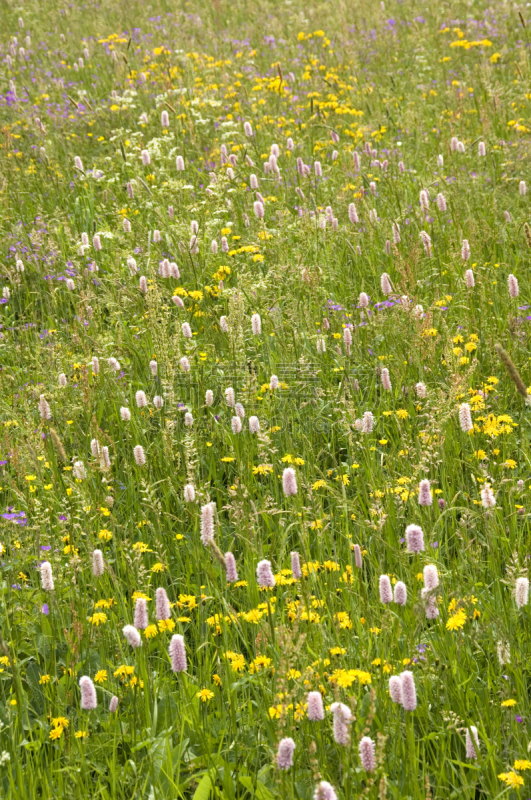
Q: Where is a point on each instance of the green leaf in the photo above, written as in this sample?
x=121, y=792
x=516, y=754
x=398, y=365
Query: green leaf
x=257, y=790
x=203, y=790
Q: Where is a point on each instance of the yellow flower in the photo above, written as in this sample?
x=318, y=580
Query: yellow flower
x=56, y=733
x=346, y=677
x=166, y=625
x=60, y=722
x=511, y=779
x=141, y=547
x=44, y=679
x=523, y=765
x=151, y=631
x=509, y=703
x=228, y=459
x=80, y=734
x=259, y=663
x=123, y=671
x=262, y=469
x=101, y=676
x=158, y=567
x=105, y=535
x=205, y=695
x=98, y=619
x=456, y=621
x=137, y=595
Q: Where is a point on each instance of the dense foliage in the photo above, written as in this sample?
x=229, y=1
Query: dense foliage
x=255, y=263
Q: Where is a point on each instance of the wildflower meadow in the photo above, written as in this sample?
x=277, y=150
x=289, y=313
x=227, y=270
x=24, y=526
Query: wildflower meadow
x=265, y=462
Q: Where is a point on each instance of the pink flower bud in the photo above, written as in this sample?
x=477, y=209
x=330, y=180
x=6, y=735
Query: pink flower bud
x=395, y=689
x=386, y=381
x=141, y=614
x=286, y=748
x=177, y=653
x=367, y=754
x=97, y=563
x=386, y=593
x=353, y=214
x=207, y=523
x=132, y=636
x=488, y=499
x=385, y=284
x=264, y=574
x=431, y=577
x=514, y=289
x=409, y=693
x=342, y=719
x=368, y=422
x=414, y=538
x=471, y=740
x=315, y=707
x=469, y=279
x=400, y=593
x=47, y=581
x=141, y=399
x=426, y=241
x=296, y=566
x=138, y=453
x=89, y=701
x=256, y=324
x=324, y=791
x=289, y=482
x=230, y=568
x=425, y=498
x=521, y=592
x=465, y=418
x=162, y=604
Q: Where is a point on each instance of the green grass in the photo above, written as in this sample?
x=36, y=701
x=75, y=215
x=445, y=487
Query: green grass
x=405, y=78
